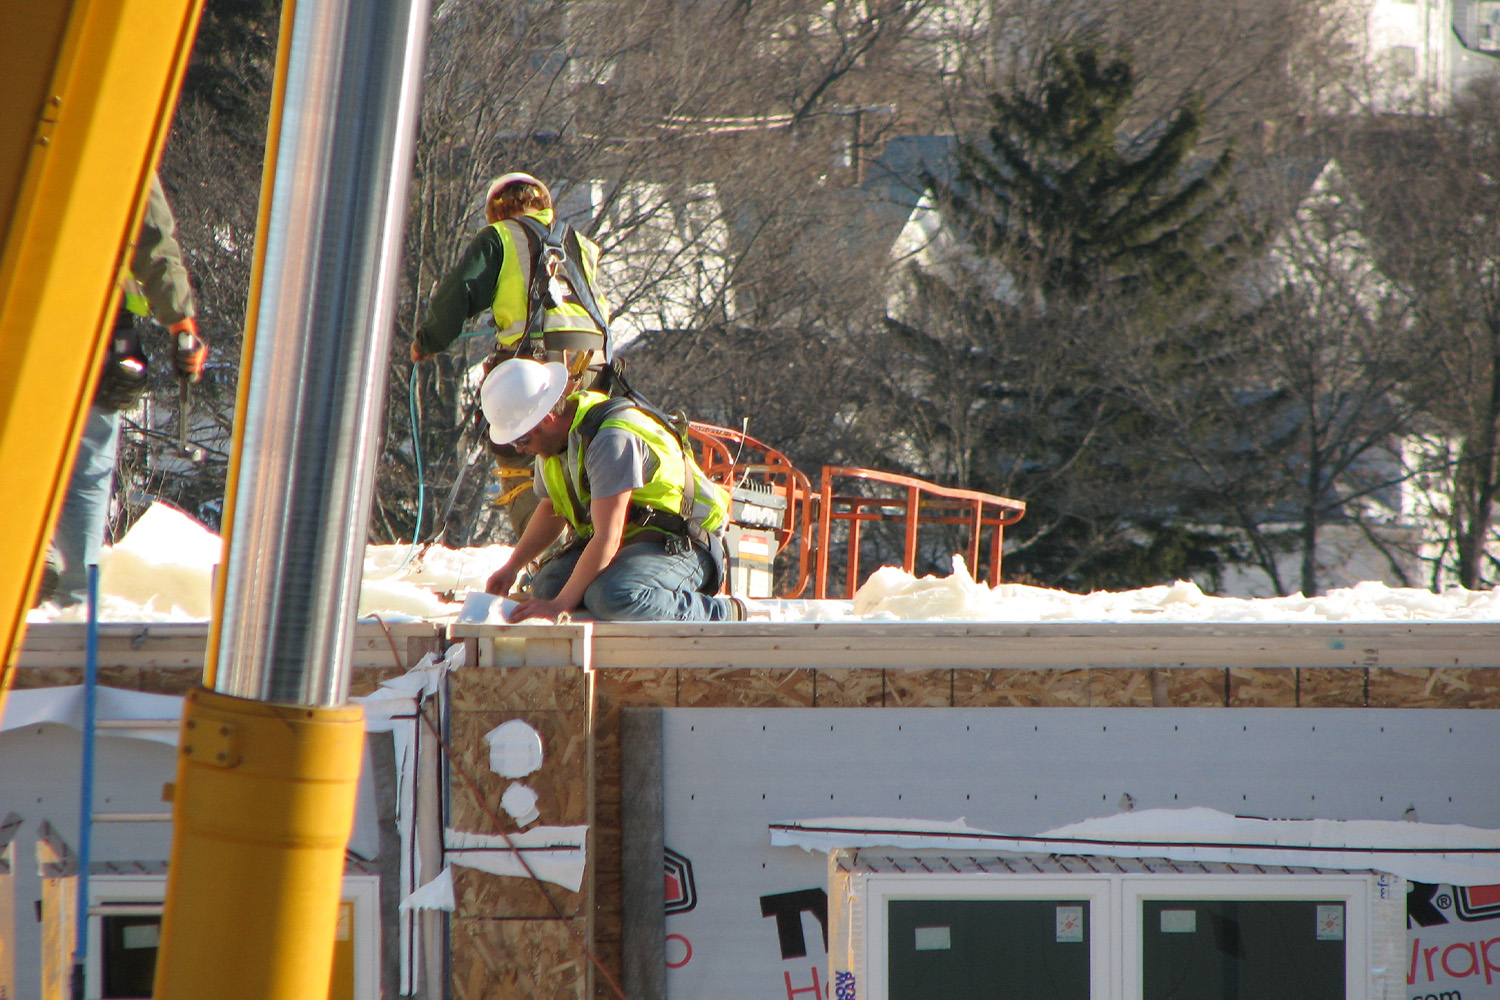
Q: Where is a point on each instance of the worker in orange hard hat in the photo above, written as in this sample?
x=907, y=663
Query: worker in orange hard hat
x=498, y=271
x=539, y=279
x=648, y=525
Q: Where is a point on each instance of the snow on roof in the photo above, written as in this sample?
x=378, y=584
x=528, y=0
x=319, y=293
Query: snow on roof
x=162, y=570
x=1424, y=852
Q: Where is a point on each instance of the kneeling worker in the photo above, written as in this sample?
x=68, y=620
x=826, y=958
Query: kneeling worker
x=618, y=478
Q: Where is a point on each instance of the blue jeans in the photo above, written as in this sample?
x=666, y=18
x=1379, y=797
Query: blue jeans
x=80, y=526
x=644, y=582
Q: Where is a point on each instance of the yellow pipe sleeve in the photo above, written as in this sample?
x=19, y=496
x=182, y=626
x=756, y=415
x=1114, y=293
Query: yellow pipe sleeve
x=262, y=810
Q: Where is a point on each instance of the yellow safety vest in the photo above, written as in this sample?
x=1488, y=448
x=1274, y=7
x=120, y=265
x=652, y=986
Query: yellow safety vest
x=512, y=294
x=674, y=464
x=135, y=298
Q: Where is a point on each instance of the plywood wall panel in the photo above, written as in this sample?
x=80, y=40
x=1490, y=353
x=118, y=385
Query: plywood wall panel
x=607, y=756
x=610, y=951
x=919, y=688
x=44, y=677
x=536, y=688
x=747, y=688
x=511, y=897
x=561, y=784
x=1123, y=688
x=848, y=687
x=1251, y=687
x=648, y=687
x=1193, y=687
x=516, y=960
x=364, y=680
x=1331, y=687
x=1020, y=688
x=1422, y=687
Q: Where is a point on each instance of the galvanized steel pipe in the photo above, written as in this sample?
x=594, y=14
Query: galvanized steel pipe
x=308, y=420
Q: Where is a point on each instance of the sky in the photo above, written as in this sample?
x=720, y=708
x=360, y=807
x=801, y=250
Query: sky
x=162, y=570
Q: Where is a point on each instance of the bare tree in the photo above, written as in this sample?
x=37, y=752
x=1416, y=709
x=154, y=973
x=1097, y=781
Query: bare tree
x=1436, y=182
x=704, y=146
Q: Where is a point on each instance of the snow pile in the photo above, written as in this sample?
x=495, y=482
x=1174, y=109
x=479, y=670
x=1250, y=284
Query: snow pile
x=401, y=583
x=893, y=595
x=163, y=571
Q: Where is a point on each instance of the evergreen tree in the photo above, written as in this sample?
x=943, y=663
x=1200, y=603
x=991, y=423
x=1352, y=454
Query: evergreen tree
x=1089, y=249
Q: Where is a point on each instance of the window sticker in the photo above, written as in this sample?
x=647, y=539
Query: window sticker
x=1330, y=922
x=1070, y=923
x=934, y=939
x=1179, y=921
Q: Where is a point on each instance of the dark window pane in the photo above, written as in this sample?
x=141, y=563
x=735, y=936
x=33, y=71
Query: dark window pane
x=965, y=949
x=1251, y=949
x=129, y=955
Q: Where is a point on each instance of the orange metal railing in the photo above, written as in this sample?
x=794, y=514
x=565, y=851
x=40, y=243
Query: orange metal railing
x=920, y=502
x=733, y=458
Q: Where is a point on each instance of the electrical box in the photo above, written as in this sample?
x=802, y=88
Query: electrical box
x=755, y=515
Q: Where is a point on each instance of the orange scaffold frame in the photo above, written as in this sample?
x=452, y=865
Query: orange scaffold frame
x=811, y=515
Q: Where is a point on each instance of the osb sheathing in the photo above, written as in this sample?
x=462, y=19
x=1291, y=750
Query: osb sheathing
x=497, y=959
x=1436, y=687
x=1260, y=687
x=919, y=688
x=560, y=784
x=849, y=687
x=508, y=940
x=1331, y=688
x=172, y=680
x=745, y=688
x=480, y=894
x=1018, y=688
x=514, y=688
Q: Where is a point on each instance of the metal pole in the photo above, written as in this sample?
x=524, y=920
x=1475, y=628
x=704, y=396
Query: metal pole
x=269, y=757
x=309, y=417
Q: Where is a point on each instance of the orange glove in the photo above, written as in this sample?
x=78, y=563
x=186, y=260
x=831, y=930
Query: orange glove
x=191, y=351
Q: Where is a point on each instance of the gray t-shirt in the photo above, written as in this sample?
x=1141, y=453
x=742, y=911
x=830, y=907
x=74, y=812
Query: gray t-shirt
x=617, y=461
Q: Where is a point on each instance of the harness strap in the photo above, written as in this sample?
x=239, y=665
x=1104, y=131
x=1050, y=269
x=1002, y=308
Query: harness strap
x=553, y=247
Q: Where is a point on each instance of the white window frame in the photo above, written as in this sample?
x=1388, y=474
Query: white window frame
x=1351, y=890
x=1115, y=908
x=143, y=895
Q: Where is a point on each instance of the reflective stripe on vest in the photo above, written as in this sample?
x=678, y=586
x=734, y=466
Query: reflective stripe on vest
x=512, y=292
x=662, y=492
x=135, y=298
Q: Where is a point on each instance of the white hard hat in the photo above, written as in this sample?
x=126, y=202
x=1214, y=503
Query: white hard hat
x=518, y=394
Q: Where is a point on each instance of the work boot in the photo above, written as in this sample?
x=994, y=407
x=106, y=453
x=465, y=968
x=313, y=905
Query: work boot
x=52, y=567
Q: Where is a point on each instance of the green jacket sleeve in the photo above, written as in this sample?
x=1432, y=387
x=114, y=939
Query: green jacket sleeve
x=157, y=261
x=465, y=292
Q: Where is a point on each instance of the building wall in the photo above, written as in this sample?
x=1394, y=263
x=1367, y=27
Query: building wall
x=514, y=938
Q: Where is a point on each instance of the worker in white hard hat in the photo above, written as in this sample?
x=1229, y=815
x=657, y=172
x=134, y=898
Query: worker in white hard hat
x=495, y=273
x=648, y=523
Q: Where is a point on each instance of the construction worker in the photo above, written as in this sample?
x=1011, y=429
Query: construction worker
x=494, y=274
x=157, y=285
x=619, y=478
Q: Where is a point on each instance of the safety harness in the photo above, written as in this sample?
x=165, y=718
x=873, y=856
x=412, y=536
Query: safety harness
x=682, y=528
x=557, y=255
